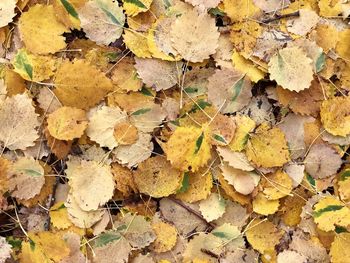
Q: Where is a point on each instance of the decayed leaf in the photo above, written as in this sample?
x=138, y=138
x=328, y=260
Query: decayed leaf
x=67, y=123
x=158, y=74
x=291, y=69
x=322, y=161
x=166, y=237
x=102, y=21
x=263, y=235
x=40, y=30
x=5, y=250
x=339, y=252
x=188, y=148
x=213, y=207
x=195, y=36
x=268, y=147
x=18, y=122
x=7, y=12
x=102, y=121
x=335, y=117
x=156, y=177
x=88, y=177
x=229, y=90
x=81, y=85
x=329, y=212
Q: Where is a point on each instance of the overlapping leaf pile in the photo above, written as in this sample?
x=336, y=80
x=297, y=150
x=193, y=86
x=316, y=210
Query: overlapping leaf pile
x=174, y=131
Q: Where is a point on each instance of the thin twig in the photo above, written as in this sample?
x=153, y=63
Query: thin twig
x=278, y=17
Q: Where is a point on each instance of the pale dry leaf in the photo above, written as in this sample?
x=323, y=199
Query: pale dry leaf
x=132, y=155
x=291, y=69
x=26, y=178
x=156, y=73
x=5, y=250
x=290, y=256
x=295, y=172
x=229, y=90
x=148, y=117
x=102, y=121
x=271, y=5
x=7, y=12
x=204, y=4
x=213, y=207
x=87, y=177
x=303, y=24
x=102, y=21
x=195, y=36
x=236, y=160
x=18, y=122
x=322, y=161
x=79, y=217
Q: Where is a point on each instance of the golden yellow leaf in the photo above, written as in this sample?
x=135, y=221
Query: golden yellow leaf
x=329, y=8
x=125, y=133
x=43, y=247
x=329, y=212
x=341, y=48
x=40, y=30
x=200, y=184
x=137, y=43
x=335, y=115
x=244, y=126
x=247, y=67
x=67, y=12
x=340, y=252
x=264, y=206
x=277, y=185
x=239, y=10
x=134, y=7
x=263, y=235
x=344, y=185
x=268, y=147
x=155, y=177
x=67, y=123
x=59, y=216
x=166, y=237
x=81, y=85
x=189, y=148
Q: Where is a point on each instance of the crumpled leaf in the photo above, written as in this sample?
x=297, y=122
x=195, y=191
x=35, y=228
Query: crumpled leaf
x=291, y=69
x=40, y=31
x=18, y=122
x=102, y=21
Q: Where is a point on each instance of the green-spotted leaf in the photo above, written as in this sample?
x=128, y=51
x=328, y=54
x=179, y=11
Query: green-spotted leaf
x=185, y=183
x=329, y=208
x=22, y=64
x=320, y=62
x=199, y=143
x=140, y=111
x=146, y=92
x=134, y=7
x=219, y=138
x=237, y=88
x=70, y=8
x=105, y=238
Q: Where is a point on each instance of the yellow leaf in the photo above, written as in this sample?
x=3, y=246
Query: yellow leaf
x=40, y=30
x=81, y=85
x=59, y=216
x=335, y=115
x=137, y=43
x=264, y=206
x=277, y=185
x=67, y=12
x=239, y=10
x=340, y=252
x=43, y=247
x=341, y=48
x=157, y=178
x=263, y=235
x=344, y=185
x=67, y=123
x=329, y=8
x=329, y=212
x=268, y=147
x=189, y=148
x=200, y=184
x=166, y=237
x=244, y=125
x=247, y=67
